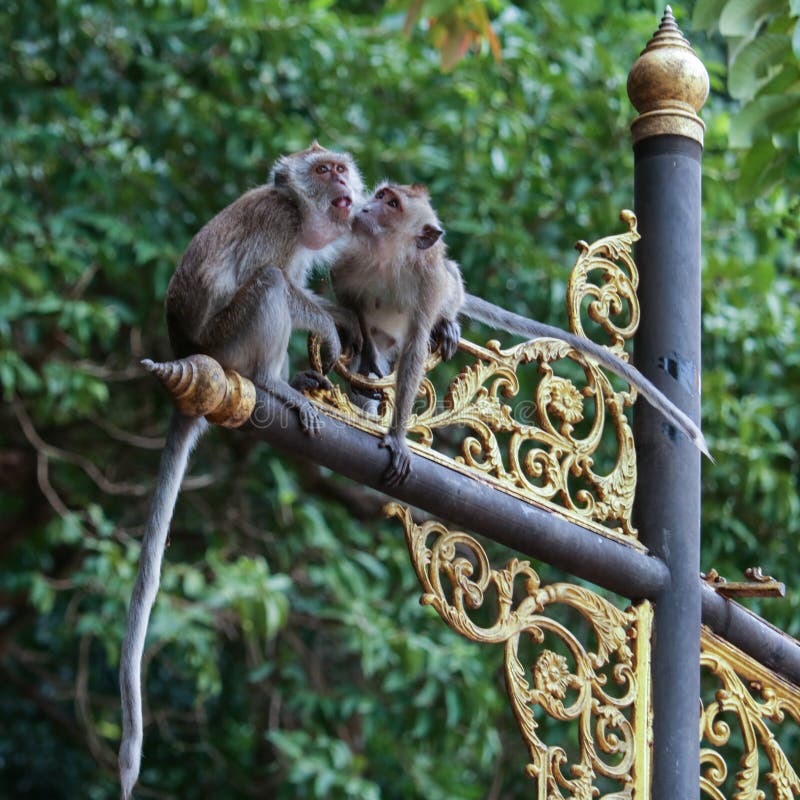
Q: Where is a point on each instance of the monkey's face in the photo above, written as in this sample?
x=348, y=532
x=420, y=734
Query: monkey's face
x=329, y=181
x=401, y=213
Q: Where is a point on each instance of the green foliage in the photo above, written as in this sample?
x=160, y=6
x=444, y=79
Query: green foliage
x=764, y=74
x=288, y=656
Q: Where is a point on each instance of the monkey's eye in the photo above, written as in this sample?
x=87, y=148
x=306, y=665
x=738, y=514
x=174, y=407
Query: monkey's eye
x=380, y=194
x=322, y=169
x=341, y=168
x=393, y=202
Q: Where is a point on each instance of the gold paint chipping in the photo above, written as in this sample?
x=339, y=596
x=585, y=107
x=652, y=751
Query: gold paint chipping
x=748, y=713
x=200, y=387
x=668, y=85
x=604, y=691
x=548, y=448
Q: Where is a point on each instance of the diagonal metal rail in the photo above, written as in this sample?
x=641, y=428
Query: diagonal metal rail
x=483, y=509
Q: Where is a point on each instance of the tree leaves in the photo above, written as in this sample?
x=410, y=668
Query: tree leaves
x=764, y=73
x=289, y=656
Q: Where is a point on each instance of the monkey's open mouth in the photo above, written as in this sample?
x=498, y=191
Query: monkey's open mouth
x=342, y=202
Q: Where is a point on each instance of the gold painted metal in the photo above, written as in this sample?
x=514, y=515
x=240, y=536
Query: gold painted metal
x=756, y=585
x=533, y=450
x=668, y=85
x=757, y=700
x=604, y=690
x=200, y=387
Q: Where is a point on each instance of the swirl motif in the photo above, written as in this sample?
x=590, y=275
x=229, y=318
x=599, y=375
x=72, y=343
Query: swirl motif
x=739, y=680
x=554, y=449
x=571, y=685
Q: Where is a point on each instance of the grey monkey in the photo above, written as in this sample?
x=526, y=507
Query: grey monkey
x=394, y=274
x=236, y=295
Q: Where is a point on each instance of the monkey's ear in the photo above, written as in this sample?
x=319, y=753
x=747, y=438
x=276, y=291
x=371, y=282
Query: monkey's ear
x=429, y=236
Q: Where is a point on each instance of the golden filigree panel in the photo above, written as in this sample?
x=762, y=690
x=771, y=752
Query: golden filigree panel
x=565, y=446
x=602, y=691
x=739, y=727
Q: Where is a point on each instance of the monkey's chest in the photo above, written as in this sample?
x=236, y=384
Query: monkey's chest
x=387, y=324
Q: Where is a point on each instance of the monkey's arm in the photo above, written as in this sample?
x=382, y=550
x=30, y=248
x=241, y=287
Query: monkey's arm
x=348, y=323
x=307, y=313
x=483, y=311
x=447, y=330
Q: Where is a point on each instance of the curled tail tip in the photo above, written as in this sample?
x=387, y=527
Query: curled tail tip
x=148, y=364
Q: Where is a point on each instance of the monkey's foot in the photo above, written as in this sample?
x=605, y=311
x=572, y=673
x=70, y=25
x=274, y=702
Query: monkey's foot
x=310, y=379
x=310, y=421
x=399, y=460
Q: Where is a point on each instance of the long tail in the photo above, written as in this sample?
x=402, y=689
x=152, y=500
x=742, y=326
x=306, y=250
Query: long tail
x=489, y=313
x=181, y=438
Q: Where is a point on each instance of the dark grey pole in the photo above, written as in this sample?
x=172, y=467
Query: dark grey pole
x=668, y=84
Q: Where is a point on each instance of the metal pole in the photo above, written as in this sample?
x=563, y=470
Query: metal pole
x=668, y=85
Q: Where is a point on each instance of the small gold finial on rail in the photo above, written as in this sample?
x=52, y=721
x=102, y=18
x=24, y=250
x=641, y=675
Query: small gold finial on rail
x=756, y=585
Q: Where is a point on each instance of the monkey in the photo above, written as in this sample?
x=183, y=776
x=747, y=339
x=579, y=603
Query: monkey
x=236, y=295
x=394, y=274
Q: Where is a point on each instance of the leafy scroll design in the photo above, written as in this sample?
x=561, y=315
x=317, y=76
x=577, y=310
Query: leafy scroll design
x=604, y=690
x=544, y=447
x=754, y=697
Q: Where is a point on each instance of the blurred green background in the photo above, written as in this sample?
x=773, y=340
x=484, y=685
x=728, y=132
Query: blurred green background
x=288, y=654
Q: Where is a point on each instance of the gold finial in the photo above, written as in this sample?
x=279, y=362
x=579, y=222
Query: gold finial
x=668, y=85
x=200, y=387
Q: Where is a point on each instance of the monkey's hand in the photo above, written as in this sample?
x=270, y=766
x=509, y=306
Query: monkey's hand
x=334, y=349
x=350, y=335
x=310, y=379
x=399, y=460
x=310, y=420
x=445, y=335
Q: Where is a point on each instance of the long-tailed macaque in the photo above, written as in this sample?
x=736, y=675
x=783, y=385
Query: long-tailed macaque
x=395, y=275
x=236, y=295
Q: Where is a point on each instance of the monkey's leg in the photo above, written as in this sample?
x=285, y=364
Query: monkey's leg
x=251, y=335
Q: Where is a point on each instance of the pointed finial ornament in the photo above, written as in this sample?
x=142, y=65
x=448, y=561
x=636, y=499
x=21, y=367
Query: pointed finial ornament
x=200, y=387
x=668, y=85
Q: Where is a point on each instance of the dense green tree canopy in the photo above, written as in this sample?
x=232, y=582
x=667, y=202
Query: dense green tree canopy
x=288, y=654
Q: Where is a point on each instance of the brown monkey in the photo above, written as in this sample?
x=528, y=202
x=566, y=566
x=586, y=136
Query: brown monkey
x=236, y=295
x=395, y=276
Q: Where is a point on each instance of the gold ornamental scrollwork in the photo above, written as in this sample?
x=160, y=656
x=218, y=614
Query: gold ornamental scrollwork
x=602, y=690
x=750, y=715
x=564, y=442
